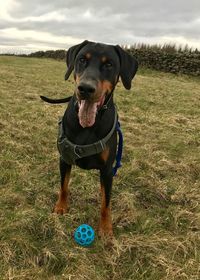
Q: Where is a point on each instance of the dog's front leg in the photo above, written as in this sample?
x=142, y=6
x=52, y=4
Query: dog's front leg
x=61, y=206
x=105, y=226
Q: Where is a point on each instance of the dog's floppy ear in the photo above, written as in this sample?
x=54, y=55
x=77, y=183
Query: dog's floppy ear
x=128, y=68
x=71, y=55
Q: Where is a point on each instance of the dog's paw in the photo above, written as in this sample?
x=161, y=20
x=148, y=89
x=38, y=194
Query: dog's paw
x=106, y=235
x=60, y=208
x=105, y=230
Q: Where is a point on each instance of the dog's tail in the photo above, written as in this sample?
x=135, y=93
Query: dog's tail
x=55, y=101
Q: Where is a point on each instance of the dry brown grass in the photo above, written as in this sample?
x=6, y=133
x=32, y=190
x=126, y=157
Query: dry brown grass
x=156, y=195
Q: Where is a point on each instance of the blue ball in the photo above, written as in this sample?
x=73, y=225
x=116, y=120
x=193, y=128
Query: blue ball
x=84, y=235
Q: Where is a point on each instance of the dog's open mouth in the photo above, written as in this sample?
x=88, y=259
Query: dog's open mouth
x=88, y=110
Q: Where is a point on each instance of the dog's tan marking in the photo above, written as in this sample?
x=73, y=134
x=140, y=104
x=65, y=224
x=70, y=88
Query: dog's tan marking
x=61, y=206
x=106, y=86
x=88, y=55
x=105, y=226
x=104, y=59
x=105, y=154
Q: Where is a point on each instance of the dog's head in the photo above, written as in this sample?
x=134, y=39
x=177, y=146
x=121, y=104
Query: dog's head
x=97, y=68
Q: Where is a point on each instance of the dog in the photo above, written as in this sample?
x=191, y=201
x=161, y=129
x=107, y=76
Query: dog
x=87, y=131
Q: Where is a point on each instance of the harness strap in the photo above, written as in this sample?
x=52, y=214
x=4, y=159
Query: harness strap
x=70, y=152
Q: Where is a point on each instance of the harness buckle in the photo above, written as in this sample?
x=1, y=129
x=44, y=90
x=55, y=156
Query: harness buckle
x=77, y=151
x=104, y=107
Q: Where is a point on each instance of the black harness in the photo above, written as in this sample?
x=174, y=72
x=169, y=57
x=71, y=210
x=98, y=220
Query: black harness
x=70, y=152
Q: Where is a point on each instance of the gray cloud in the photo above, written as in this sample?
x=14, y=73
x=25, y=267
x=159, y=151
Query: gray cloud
x=124, y=22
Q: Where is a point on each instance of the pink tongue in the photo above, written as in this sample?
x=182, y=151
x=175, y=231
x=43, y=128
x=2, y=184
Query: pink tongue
x=87, y=113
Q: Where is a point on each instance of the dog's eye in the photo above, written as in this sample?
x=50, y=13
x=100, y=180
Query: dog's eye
x=83, y=60
x=108, y=65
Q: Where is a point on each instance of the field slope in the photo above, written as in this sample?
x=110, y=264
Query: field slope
x=156, y=195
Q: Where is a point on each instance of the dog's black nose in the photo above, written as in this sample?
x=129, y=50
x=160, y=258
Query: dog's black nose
x=86, y=90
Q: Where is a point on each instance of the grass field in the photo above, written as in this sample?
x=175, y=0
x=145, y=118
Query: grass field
x=156, y=195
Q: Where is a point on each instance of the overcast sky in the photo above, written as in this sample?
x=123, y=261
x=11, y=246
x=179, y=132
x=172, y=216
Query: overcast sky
x=30, y=25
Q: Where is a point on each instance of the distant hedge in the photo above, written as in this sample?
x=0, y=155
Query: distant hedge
x=165, y=58
x=58, y=54
x=174, y=61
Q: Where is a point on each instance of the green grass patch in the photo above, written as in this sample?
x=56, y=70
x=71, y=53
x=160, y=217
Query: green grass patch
x=156, y=195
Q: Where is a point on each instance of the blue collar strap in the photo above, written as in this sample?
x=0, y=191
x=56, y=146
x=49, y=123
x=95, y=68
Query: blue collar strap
x=119, y=149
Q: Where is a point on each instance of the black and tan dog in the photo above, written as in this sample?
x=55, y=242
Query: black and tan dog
x=87, y=134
